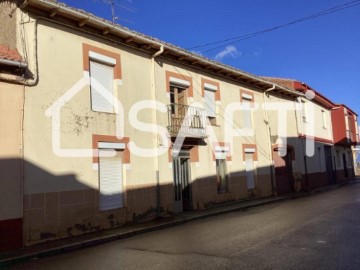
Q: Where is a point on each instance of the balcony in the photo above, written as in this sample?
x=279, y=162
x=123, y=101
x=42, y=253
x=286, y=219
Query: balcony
x=187, y=120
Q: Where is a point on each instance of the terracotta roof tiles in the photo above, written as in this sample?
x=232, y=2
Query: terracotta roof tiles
x=9, y=54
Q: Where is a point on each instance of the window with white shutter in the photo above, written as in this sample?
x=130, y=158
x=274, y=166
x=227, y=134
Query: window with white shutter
x=110, y=180
x=102, y=86
x=250, y=175
x=210, y=100
x=210, y=106
x=247, y=114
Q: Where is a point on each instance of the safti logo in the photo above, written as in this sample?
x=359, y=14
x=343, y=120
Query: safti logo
x=190, y=120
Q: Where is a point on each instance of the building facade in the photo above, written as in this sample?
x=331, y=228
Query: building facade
x=111, y=126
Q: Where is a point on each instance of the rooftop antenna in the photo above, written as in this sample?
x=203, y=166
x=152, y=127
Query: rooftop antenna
x=114, y=4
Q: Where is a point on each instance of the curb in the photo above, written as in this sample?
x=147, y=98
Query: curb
x=118, y=236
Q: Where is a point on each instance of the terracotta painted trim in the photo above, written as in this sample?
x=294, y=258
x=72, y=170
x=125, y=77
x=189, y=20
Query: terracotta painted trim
x=86, y=59
x=250, y=146
x=222, y=144
x=190, y=89
x=275, y=147
x=217, y=93
x=106, y=138
x=316, y=139
x=11, y=233
x=194, y=154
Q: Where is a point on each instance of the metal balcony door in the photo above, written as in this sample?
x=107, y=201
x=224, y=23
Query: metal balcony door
x=182, y=187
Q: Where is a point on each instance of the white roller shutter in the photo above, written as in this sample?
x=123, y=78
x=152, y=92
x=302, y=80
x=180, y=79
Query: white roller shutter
x=179, y=82
x=247, y=114
x=110, y=174
x=210, y=107
x=101, y=75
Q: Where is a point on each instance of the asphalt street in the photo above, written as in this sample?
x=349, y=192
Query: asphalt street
x=317, y=232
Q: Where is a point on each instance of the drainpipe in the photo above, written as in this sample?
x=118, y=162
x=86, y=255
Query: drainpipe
x=12, y=63
x=300, y=131
x=268, y=131
x=155, y=138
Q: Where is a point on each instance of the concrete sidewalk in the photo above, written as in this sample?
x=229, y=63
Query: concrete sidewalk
x=69, y=244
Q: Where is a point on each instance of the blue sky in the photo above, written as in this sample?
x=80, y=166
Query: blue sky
x=323, y=52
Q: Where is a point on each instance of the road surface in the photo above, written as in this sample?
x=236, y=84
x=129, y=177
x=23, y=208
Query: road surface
x=317, y=232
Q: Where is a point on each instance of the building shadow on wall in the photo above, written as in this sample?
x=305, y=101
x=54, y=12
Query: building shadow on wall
x=60, y=206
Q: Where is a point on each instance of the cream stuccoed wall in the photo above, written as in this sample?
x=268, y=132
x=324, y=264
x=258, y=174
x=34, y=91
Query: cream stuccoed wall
x=60, y=63
x=8, y=27
x=292, y=127
x=315, y=118
x=230, y=94
x=11, y=100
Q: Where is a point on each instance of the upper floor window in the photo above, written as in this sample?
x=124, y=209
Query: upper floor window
x=324, y=119
x=102, y=83
x=211, y=94
x=210, y=105
x=103, y=68
x=247, y=99
x=304, y=111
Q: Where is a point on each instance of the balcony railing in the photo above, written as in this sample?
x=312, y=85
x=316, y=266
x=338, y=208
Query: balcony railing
x=187, y=120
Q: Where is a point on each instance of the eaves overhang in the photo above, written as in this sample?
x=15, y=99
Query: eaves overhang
x=58, y=11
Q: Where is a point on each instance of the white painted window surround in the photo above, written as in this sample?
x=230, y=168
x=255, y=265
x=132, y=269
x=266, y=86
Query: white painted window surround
x=221, y=152
x=111, y=145
x=249, y=150
x=102, y=58
x=210, y=87
x=247, y=96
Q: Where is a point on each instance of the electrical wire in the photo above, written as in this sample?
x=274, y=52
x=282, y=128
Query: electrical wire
x=261, y=32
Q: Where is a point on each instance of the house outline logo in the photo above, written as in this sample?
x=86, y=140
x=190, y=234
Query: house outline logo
x=54, y=112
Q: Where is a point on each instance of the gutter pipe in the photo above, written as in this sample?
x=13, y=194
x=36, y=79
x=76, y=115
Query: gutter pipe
x=155, y=138
x=13, y=63
x=268, y=131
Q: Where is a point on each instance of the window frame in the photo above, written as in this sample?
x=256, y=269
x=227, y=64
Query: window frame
x=249, y=99
x=304, y=111
x=324, y=119
x=112, y=90
x=209, y=85
x=222, y=180
x=102, y=56
x=119, y=150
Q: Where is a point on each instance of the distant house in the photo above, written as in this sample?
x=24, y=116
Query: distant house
x=88, y=108
x=336, y=132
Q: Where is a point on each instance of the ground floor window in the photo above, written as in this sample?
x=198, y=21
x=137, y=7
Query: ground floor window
x=222, y=175
x=250, y=175
x=110, y=179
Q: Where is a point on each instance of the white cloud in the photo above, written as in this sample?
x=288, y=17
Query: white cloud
x=231, y=51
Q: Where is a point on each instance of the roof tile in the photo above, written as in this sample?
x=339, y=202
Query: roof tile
x=9, y=54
